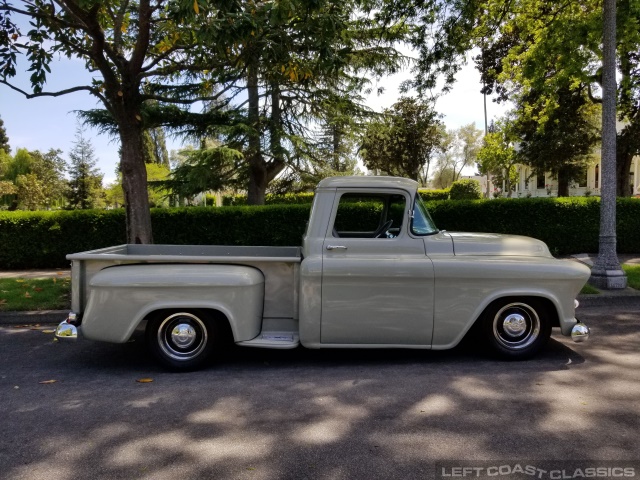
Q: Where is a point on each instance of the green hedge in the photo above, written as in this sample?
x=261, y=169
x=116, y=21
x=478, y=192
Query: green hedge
x=567, y=225
x=286, y=199
x=428, y=195
x=43, y=239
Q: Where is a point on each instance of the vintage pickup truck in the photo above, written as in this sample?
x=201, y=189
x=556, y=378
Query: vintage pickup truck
x=373, y=272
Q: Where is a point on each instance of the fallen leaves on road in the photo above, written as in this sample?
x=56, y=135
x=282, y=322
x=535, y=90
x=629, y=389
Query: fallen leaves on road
x=48, y=331
x=144, y=380
x=46, y=382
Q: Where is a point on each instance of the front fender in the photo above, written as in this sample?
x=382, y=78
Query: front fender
x=465, y=286
x=121, y=297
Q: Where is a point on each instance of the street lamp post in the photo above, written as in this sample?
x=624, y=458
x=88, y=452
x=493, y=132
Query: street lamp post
x=607, y=272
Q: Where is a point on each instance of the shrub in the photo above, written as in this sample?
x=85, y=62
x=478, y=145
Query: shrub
x=465, y=189
x=428, y=195
x=43, y=239
x=286, y=199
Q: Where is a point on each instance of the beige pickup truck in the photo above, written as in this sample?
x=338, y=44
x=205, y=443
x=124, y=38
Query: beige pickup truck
x=373, y=271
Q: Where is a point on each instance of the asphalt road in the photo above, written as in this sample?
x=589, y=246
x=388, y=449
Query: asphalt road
x=260, y=414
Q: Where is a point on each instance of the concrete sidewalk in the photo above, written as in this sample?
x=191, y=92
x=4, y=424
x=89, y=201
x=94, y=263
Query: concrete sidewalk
x=627, y=297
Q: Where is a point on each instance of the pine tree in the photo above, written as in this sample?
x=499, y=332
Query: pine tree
x=85, y=185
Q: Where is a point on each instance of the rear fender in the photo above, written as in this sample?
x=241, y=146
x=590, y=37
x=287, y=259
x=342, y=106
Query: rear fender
x=121, y=297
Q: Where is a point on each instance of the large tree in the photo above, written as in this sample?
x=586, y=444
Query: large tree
x=557, y=133
x=403, y=140
x=498, y=156
x=304, y=64
x=149, y=61
x=538, y=45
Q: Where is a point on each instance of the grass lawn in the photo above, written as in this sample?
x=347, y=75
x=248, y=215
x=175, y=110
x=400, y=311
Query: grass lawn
x=589, y=290
x=633, y=275
x=17, y=294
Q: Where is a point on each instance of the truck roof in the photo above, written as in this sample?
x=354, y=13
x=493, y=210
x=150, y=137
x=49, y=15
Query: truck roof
x=368, y=181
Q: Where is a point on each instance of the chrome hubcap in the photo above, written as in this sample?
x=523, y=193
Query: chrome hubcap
x=183, y=335
x=516, y=326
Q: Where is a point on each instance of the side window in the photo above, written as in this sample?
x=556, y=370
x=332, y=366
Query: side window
x=369, y=216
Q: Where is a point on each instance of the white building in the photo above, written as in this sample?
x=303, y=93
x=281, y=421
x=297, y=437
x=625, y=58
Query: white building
x=546, y=186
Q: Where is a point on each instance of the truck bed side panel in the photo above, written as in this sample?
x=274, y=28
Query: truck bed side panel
x=120, y=297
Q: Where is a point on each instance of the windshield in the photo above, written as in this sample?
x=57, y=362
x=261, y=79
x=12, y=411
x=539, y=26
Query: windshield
x=422, y=223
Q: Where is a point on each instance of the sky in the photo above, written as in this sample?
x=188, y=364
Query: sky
x=51, y=122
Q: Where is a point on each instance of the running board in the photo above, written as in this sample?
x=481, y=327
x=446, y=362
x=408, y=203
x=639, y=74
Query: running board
x=282, y=340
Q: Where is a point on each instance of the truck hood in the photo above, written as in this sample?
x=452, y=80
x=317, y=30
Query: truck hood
x=496, y=244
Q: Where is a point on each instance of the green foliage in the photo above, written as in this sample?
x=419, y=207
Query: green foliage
x=277, y=225
x=498, y=155
x=7, y=188
x=437, y=194
x=43, y=239
x=567, y=225
x=4, y=140
x=85, y=183
x=156, y=174
x=633, y=275
x=286, y=199
x=403, y=140
x=459, y=149
x=30, y=191
x=465, y=189
x=202, y=170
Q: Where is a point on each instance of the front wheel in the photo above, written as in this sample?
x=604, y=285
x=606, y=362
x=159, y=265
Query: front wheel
x=517, y=328
x=181, y=340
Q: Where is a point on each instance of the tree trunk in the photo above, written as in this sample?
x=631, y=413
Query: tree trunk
x=627, y=147
x=134, y=184
x=257, y=169
x=277, y=163
x=563, y=183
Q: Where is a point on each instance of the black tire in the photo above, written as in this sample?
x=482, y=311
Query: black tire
x=516, y=328
x=182, y=340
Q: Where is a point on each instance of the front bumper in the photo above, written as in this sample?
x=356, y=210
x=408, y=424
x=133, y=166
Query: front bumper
x=580, y=332
x=68, y=329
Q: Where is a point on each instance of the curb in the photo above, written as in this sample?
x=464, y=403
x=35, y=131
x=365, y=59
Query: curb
x=609, y=301
x=33, y=317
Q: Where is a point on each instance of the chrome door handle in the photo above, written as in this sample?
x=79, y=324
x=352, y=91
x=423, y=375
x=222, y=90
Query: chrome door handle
x=336, y=247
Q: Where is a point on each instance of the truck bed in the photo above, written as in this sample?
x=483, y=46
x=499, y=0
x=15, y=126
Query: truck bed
x=279, y=266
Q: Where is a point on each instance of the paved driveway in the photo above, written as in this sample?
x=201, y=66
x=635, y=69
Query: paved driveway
x=261, y=414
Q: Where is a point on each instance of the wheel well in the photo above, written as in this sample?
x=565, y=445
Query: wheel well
x=217, y=316
x=547, y=304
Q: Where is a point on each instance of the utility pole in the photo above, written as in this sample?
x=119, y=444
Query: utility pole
x=607, y=272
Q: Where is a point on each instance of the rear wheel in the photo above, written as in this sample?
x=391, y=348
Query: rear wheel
x=517, y=328
x=182, y=340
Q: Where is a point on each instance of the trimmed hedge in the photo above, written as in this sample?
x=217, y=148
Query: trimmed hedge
x=286, y=199
x=567, y=225
x=428, y=195
x=43, y=239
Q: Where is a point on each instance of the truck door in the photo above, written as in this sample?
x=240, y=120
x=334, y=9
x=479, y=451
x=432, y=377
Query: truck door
x=377, y=282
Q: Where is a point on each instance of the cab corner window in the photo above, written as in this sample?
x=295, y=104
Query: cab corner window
x=369, y=215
